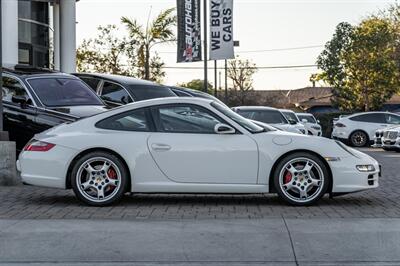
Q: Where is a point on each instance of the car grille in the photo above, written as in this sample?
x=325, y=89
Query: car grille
x=390, y=134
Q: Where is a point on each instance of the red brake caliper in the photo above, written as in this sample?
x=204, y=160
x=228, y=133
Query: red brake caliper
x=288, y=177
x=112, y=174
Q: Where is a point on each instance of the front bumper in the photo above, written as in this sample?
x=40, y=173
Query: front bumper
x=391, y=144
x=346, y=177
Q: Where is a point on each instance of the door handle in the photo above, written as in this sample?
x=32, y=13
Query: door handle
x=160, y=147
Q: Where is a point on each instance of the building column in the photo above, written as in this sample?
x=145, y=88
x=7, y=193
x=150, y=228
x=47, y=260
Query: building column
x=56, y=35
x=9, y=31
x=67, y=36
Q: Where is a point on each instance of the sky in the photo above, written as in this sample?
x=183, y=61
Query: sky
x=271, y=26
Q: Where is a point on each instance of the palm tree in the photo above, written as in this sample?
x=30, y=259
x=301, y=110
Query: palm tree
x=160, y=30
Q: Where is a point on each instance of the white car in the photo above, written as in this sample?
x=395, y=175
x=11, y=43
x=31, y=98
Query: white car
x=390, y=139
x=359, y=129
x=189, y=145
x=291, y=116
x=268, y=115
x=312, y=125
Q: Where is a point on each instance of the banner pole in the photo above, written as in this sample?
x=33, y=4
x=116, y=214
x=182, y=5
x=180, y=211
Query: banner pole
x=215, y=78
x=1, y=71
x=226, y=81
x=205, y=48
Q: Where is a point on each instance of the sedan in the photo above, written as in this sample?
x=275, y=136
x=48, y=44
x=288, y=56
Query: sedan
x=189, y=145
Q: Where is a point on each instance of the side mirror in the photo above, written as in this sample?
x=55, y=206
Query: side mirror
x=224, y=129
x=304, y=120
x=319, y=122
x=292, y=122
x=23, y=100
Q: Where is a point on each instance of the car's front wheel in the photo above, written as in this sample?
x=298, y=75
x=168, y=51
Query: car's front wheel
x=99, y=179
x=301, y=179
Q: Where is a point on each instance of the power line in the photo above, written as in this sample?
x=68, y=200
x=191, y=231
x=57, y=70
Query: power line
x=263, y=50
x=262, y=67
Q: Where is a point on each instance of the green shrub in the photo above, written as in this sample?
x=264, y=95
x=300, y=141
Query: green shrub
x=326, y=121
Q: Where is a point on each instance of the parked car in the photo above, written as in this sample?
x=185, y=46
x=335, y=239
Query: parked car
x=293, y=119
x=391, y=138
x=190, y=145
x=116, y=90
x=35, y=100
x=359, y=129
x=269, y=115
x=186, y=92
x=311, y=124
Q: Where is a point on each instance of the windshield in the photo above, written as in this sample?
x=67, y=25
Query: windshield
x=290, y=116
x=265, y=116
x=54, y=92
x=309, y=118
x=250, y=126
x=145, y=92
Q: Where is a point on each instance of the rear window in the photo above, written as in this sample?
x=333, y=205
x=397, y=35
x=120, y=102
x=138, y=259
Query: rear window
x=54, y=92
x=145, y=92
x=266, y=116
x=308, y=118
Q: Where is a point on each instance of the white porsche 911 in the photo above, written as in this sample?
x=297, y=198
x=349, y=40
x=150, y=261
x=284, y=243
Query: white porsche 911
x=189, y=145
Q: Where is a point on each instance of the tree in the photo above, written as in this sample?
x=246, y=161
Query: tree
x=159, y=31
x=241, y=73
x=360, y=63
x=197, y=84
x=106, y=53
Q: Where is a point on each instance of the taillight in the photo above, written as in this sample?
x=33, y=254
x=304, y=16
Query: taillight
x=36, y=145
x=340, y=125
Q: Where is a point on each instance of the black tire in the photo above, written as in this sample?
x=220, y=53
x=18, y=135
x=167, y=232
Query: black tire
x=318, y=194
x=116, y=195
x=358, y=139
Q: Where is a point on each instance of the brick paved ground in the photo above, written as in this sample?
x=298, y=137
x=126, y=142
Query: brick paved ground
x=27, y=202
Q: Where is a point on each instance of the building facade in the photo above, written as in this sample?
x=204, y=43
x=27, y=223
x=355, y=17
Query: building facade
x=39, y=33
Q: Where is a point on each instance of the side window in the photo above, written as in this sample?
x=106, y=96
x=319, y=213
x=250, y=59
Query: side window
x=92, y=82
x=185, y=119
x=370, y=118
x=135, y=120
x=392, y=119
x=115, y=93
x=12, y=87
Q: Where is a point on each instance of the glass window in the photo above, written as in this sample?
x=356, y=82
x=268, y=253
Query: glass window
x=392, y=119
x=114, y=93
x=243, y=122
x=265, y=116
x=12, y=87
x=370, y=118
x=92, y=82
x=309, y=118
x=185, y=119
x=55, y=92
x=130, y=121
x=290, y=116
x=145, y=92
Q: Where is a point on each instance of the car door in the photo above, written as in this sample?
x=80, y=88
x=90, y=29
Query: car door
x=19, y=118
x=186, y=148
x=114, y=94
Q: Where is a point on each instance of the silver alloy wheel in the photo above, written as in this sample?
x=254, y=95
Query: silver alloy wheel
x=301, y=179
x=359, y=139
x=98, y=179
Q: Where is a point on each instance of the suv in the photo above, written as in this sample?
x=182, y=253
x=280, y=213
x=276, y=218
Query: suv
x=116, y=90
x=35, y=100
x=268, y=115
x=312, y=125
x=359, y=129
x=293, y=119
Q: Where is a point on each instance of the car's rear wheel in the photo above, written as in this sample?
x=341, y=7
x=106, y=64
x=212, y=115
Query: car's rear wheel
x=99, y=179
x=301, y=179
x=358, y=139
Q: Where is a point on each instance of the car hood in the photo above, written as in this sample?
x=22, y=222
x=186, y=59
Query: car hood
x=81, y=111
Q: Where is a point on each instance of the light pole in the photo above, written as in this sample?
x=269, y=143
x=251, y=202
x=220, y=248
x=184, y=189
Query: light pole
x=205, y=48
x=1, y=74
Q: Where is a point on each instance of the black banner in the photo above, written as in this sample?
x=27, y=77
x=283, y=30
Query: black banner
x=189, y=39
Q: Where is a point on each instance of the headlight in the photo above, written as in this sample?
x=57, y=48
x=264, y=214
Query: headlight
x=347, y=149
x=365, y=168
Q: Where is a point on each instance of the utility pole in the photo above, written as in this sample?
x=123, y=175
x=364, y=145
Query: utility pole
x=1, y=73
x=205, y=48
